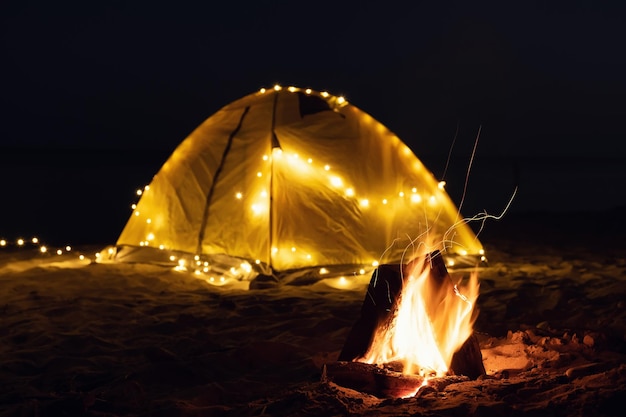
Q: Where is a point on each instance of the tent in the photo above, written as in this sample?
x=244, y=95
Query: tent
x=290, y=182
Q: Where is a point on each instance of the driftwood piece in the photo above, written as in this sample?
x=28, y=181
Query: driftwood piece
x=468, y=360
x=379, y=303
x=371, y=379
x=382, y=382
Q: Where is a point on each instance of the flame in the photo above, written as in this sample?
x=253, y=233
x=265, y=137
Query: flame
x=431, y=321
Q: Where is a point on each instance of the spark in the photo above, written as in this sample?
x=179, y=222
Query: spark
x=445, y=170
x=380, y=259
x=469, y=168
x=482, y=217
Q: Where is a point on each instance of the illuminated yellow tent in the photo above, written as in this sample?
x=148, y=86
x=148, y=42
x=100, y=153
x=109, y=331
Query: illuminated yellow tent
x=286, y=181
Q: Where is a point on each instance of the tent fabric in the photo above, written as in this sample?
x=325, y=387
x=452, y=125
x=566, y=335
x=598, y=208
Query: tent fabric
x=292, y=179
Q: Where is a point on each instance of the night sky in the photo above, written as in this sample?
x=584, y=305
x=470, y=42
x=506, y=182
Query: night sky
x=99, y=93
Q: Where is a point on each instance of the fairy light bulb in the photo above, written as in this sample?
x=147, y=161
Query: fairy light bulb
x=246, y=267
x=336, y=181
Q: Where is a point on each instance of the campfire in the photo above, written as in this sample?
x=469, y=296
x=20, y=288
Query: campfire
x=415, y=330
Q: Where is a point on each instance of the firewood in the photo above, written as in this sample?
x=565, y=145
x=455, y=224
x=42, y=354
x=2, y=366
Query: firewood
x=468, y=360
x=371, y=379
x=381, y=381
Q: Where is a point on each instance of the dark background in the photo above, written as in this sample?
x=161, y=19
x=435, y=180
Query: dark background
x=96, y=95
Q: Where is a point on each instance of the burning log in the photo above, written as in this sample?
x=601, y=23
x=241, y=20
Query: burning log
x=382, y=381
x=372, y=379
x=380, y=304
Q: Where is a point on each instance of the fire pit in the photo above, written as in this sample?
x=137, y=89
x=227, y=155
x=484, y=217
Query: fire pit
x=415, y=330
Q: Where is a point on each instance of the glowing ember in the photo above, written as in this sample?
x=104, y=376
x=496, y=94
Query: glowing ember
x=431, y=321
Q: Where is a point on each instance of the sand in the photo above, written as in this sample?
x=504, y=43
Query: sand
x=81, y=338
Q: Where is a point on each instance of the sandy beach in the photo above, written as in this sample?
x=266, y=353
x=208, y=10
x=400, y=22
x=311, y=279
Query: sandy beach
x=81, y=338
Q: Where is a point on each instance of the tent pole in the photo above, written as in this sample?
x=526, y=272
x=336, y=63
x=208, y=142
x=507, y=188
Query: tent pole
x=275, y=145
x=209, y=197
